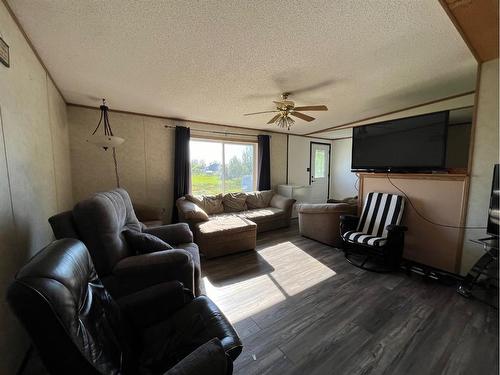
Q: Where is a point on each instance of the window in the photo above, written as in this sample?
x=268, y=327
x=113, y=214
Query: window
x=319, y=163
x=222, y=167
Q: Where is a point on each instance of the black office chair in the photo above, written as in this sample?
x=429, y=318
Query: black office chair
x=375, y=241
x=77, y=328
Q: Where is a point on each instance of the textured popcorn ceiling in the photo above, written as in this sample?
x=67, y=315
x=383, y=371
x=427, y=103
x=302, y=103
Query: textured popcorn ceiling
x=215, y=60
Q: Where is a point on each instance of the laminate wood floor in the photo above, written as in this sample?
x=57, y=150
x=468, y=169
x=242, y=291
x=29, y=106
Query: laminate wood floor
x=300, y=308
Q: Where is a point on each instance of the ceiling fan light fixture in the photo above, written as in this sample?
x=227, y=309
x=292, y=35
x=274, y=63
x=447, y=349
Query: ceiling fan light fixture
x=286, y=108
x=285, y=122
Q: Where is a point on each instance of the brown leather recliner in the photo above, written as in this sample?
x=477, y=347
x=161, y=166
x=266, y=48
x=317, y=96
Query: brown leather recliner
x=99, y=222
x=78, y=328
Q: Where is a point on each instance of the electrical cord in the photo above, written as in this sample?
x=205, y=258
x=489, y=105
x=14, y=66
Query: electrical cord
x=116, y=168
x=422, y=216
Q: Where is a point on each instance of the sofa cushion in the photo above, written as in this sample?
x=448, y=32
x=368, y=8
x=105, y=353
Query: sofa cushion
x=234, y=202
x=224, y=224
x=211, y=204
x=262, y=214
x=144, y=243
x=259, y=199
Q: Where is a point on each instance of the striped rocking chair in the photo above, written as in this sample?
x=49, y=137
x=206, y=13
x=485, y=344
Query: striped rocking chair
x=375, y=241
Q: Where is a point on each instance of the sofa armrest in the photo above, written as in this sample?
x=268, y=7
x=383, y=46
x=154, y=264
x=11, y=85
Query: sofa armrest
x=149, y=269
x=281, y=202
x=190, y=212
x=325, y=208
x=172, y=233
x=207, y=358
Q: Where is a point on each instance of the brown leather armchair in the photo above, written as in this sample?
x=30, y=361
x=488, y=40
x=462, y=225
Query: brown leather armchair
x=78, y=328
x=99, y=222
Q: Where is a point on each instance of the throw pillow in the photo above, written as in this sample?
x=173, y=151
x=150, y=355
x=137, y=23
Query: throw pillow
x=193, y=213
x=259, y=199
x=211, y=204
x=144, y=243
x=234, y=202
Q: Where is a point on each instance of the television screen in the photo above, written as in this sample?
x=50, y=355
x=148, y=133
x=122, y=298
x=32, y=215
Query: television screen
x=410, y=143
x=494, y=211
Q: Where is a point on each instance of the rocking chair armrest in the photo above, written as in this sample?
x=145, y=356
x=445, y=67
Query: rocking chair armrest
x=348, y=222
x=349, y=219
x=396, y=228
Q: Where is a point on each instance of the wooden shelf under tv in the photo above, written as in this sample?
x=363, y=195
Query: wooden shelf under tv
x=440, y=197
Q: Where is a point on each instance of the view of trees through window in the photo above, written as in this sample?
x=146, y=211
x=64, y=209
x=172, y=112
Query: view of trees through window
x=221, y=167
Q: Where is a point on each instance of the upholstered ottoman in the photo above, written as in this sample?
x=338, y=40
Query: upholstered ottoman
x=225, y=234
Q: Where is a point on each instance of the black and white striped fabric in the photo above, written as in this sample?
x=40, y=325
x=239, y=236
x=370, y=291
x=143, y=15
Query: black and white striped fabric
x=379, y=211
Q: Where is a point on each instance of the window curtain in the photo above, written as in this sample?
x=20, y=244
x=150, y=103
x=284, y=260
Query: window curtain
x=263, y=163
x=182, y=168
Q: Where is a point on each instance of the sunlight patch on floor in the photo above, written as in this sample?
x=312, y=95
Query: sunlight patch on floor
x=245, y=298
x=294, y=272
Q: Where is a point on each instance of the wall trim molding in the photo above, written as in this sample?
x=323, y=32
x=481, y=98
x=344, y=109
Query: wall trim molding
x=194, y=121
x=336, y=127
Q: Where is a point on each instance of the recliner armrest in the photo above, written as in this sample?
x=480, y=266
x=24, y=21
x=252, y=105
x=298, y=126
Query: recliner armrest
x=172, y=233
x=207, y=358
x=149, y=269
x=152, y=305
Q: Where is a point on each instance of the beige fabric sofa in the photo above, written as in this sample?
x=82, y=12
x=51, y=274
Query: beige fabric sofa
x=225, y=224
x=321, y=222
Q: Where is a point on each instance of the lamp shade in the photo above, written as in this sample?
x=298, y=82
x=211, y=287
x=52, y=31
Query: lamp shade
x=105, y=141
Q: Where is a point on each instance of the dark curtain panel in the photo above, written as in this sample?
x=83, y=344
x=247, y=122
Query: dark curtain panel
x=263, y=163
x=182, y=168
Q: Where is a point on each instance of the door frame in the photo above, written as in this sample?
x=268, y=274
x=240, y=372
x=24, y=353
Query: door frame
x=329, y=162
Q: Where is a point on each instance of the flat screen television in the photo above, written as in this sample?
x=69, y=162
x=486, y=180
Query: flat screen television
x=415, y=143
x=494, y=211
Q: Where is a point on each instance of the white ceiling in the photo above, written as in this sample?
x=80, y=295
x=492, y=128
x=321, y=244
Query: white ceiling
x=215, y=60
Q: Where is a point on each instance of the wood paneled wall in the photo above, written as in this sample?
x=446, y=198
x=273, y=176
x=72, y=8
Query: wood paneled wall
x=35, y=173
x=441, y=198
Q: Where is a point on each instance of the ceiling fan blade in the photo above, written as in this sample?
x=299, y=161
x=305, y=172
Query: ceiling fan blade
x=257, y=113
x=302, y=116
x=312, y=108
x=273, y=120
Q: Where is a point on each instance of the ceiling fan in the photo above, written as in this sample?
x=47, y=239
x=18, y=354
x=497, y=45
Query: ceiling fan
x=287, y=108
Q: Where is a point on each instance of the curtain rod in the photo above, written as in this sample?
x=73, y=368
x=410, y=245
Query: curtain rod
x=216, y=132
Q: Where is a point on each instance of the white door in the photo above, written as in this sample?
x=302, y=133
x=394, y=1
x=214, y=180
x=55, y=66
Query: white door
x=320, y=172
